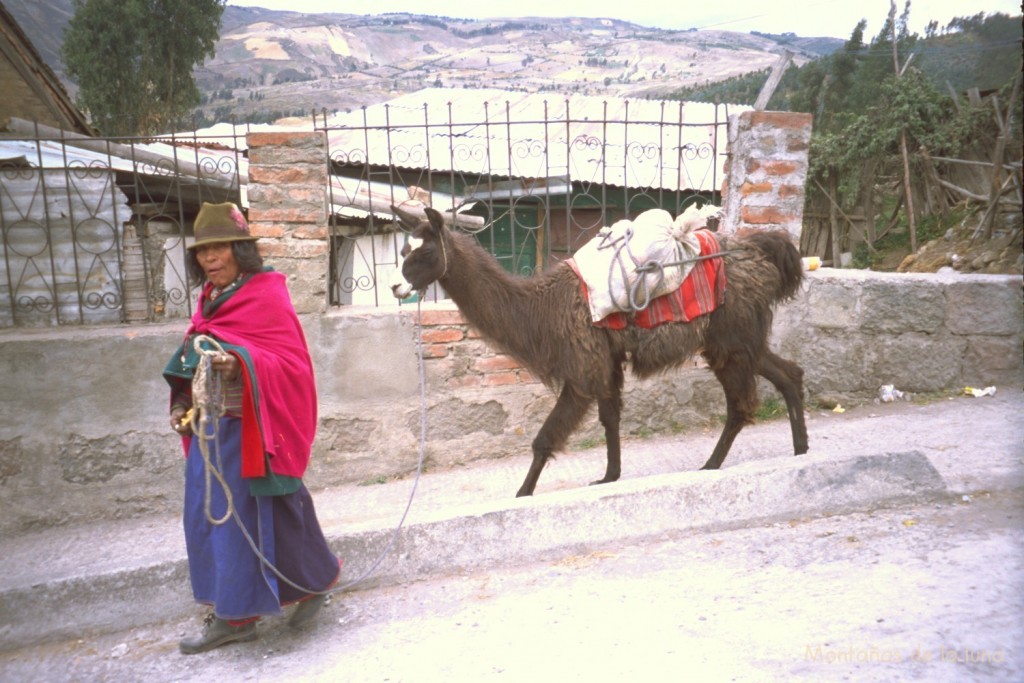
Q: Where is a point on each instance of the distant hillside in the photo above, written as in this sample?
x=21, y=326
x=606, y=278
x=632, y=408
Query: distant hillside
x=982, y=53
x=269, y=63
x=43, y=21
x=985, y=54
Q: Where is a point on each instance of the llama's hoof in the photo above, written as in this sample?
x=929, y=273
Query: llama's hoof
x=606, y=480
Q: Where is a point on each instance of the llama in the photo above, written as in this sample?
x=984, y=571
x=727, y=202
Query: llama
x=544, y=322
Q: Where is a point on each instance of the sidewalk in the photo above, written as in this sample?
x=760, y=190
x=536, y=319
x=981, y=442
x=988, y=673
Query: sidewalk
x=86, y=579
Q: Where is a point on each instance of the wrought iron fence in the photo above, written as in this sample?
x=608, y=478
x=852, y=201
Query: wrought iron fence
x=93, y=230
x=532, y=179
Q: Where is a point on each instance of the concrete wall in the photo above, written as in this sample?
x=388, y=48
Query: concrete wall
x=84, y=435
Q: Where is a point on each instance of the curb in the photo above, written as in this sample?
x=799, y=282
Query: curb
x=505, y=532
x=555, y=524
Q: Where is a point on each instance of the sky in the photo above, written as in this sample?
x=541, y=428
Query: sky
x=815, y=18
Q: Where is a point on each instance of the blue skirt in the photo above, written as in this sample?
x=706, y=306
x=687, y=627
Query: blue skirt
x=225, y=571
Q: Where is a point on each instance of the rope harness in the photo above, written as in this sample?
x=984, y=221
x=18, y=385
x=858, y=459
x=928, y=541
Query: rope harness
x=208, y=408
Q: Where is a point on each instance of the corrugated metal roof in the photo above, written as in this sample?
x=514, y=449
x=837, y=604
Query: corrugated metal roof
x=50, y=154
x=614, y=141
x=215, y=167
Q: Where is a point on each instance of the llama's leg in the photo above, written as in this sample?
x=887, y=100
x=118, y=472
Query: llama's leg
x=565, y=417
x=740, y=387
x=609, y=412
x=788, y=378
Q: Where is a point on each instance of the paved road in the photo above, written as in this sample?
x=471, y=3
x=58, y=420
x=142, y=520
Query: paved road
x=929, y=592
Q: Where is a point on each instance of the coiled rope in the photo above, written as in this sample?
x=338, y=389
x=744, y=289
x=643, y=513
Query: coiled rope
x=207, y=411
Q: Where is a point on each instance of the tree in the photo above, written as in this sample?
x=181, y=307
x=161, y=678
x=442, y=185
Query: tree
x=133, y=59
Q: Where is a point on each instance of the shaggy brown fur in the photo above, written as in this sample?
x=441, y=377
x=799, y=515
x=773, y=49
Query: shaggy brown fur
x=544, y=322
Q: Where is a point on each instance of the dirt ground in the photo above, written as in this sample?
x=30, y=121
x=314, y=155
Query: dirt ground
x=961, y=249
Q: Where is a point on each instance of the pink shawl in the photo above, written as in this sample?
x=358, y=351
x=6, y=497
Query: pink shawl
x=260, y=317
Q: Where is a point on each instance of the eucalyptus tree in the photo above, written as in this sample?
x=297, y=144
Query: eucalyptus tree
x=133, y=60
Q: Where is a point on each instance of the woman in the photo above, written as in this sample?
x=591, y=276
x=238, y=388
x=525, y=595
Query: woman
x=262, y=376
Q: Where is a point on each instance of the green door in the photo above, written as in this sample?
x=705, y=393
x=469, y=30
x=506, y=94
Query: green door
x=513, y=237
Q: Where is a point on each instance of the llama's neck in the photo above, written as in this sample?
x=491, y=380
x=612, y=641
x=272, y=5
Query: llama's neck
x=499, y=305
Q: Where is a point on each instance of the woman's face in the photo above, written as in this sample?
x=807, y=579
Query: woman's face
x=218, y=262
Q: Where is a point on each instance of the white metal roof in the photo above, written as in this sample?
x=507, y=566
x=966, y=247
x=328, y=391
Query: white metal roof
x=608, y=140
x=211, y=165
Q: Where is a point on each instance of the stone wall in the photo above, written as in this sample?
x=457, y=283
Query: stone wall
x=83, y=432
x=854, y=331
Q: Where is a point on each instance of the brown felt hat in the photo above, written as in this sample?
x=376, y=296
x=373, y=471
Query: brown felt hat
x=220, y=223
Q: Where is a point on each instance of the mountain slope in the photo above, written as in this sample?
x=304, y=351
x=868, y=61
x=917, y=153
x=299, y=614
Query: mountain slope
x=271, y=63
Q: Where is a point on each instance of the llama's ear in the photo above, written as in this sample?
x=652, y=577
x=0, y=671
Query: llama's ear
x=408, y=219
x=435, y=217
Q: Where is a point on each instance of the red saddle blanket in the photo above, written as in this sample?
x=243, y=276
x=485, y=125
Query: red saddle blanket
x=702, y=291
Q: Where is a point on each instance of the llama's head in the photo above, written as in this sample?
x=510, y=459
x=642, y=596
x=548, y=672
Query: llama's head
x=423, y=259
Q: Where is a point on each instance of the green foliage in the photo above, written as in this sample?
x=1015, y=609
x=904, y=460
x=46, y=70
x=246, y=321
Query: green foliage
x=982, y=54
x=862, y=107
x=741, y=89
x=898, y=240
x=133, y=59
x=771, y=407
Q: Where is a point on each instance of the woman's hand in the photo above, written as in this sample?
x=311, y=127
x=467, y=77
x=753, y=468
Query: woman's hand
x=227, y=365
x=179, y=420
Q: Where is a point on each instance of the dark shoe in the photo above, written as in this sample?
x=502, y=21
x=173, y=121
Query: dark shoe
x=217, y=632
x=306, y=610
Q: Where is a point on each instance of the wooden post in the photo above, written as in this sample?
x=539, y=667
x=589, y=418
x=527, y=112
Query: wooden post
x=1010, y=126
x=908, y=191
x=996, y=188
x=833, y=221
x=772, y=83
x=868, y=208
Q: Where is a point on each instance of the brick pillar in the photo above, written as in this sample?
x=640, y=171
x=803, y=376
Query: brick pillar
x=288, y=210
x=766, y=172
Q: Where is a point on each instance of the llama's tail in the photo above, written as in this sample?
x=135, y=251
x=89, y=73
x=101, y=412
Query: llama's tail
x=778, y=248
